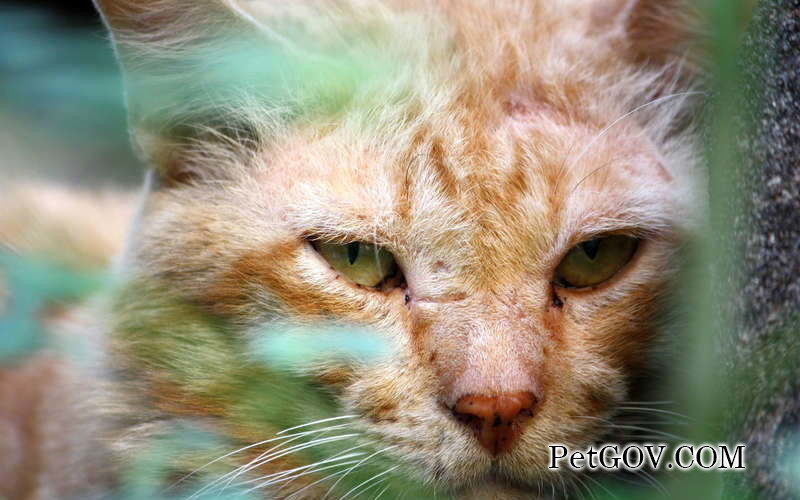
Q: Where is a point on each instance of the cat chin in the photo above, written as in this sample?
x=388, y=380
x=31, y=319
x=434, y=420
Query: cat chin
x=497, y=490
x=497, y=486
x=476, y=475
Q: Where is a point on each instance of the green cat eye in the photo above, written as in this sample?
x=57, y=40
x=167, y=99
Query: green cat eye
x=363, y=263
x=594, y=261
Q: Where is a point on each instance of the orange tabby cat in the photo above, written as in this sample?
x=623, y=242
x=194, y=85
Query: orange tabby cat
x=497, y=189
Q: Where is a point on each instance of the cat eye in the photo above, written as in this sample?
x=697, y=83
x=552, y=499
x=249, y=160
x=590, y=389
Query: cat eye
x=363, y=263
x=592, y=262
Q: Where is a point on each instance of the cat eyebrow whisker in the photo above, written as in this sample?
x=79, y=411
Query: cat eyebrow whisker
x=635, y=110
x=562, y=169
x=601, y=167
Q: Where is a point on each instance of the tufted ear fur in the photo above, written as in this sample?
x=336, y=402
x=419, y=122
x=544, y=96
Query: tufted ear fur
x=656, y=33
x=663, y=31
x=179, y=105
x=208, y=81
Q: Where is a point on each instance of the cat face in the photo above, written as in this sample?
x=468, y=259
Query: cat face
x=515, y=184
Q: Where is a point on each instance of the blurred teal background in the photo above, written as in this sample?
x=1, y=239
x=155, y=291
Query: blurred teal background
x=61, y=111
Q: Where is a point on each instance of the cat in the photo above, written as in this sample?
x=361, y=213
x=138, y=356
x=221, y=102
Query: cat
x=498, y=190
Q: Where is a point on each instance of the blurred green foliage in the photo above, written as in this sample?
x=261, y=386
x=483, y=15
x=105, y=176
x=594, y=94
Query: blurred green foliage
x=33, y=286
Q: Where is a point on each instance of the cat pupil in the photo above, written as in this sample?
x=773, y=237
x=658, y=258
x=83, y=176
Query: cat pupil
x=590, y=248
x=352, y=252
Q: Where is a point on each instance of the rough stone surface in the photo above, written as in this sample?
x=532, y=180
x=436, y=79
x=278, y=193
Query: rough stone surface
x=766, y=222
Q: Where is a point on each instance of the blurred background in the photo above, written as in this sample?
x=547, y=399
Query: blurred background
x=61, y=109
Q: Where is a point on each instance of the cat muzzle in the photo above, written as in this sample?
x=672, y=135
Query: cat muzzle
x=497, y=421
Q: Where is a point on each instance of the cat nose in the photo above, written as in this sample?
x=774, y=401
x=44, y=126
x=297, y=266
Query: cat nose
x=495, y=420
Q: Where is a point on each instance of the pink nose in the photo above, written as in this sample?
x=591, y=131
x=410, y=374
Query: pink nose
x=495, y=420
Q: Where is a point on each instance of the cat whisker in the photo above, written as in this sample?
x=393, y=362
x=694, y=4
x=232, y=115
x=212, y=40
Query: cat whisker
x=645, y=403
x=635, y=110
x=651, y=480
x=286, y=439
x=578, y=480
x=659, y=420
x=562, y=169
x=302, y=446
x=601, y=167
x=655, y=432
x=382, y=492
x=259, y=459
x=244, y=448
x=355, y=488
x=315, y=483
x=601, y=485
x=378, y=483
x=283, y=473
x=321, y=421
x=303, y=471
x=338, y=456
x=330, y=475
x=614, y=425
x=354, y=467
x=653, y=410
x=564, y=485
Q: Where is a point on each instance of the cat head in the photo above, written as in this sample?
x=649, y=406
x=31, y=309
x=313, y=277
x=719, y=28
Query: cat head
x=499, y=191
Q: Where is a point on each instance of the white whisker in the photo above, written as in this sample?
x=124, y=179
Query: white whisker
x=337, y=456
x=281, y=477
x=635, y=110
x=321, y=421
x=244, y=448
x=387, y=471
x=354, y=467
x=256, y=461
x=382, y=492
x=652, y=481
x=601, y=485
x=378, y=483
x=302, y=446
x=314, y=483
x=285, y=439
x=621, y=426
x=652, y=410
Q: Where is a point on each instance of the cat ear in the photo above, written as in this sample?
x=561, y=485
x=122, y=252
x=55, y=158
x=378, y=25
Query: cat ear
x=664, y=31
x=185, y=102
x=654, y=32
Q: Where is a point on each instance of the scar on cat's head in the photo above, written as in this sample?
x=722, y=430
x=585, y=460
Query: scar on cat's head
x=522, y=108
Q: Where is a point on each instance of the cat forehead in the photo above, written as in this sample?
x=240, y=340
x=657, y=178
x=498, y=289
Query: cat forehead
x=531, y=164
